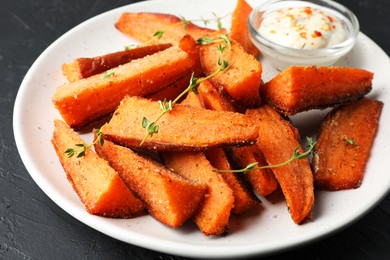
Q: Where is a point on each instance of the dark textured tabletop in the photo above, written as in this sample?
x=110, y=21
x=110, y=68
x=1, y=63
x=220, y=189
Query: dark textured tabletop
x=32, y=226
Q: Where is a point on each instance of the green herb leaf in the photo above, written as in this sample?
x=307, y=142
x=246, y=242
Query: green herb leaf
x=108, y=74
x=350, y=142
x=158, y=34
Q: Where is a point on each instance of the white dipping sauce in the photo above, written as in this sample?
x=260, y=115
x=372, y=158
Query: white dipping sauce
x=303, y=28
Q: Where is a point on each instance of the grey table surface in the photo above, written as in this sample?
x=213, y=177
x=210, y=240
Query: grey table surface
x=34, y=227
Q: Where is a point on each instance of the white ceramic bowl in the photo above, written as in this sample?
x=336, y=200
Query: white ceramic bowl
x=282, y=57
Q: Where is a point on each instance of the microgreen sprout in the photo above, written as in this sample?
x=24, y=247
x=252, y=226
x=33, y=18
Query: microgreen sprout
x=296, y=156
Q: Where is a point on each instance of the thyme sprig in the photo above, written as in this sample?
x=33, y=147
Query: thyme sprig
x=295, y=156
x=185, y=22
x=152, y=127
x=81, y=148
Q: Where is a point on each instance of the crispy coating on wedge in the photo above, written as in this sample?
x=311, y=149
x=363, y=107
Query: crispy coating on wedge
x=183, y=128
x=242, y=80
x=344, y=144
x=98, y=186
x=239, y=29
x=170, y=198
x=81, y=68
x=300, y=88
x=278, y=140
x=88, y=99
x=143, y=26
x=213, y=216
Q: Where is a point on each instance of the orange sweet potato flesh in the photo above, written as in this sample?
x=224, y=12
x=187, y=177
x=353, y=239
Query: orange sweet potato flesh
x=337, y=164
x=183, y=128
x=98, y=186
x=239, y=29
x=262, y=181
x=142, y=26
x=81, y=68
x=170, y=198
x=88, y=99
x=300, y=88
x=212, y=217
x=277, y=140
x=242, y=80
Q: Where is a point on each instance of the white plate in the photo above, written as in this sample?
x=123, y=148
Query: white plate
x=267, y=231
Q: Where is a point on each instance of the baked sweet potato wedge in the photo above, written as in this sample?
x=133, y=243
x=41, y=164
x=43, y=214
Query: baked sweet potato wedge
x=300, y=88
x=212, y=217
x=98, y=186
x=239, y=29
x=263, y=181
x=183, y=128
x=81, y=68
x=278, y=140
x=344, y=144
x=170, y=198
x=243, y=78
x=143, y=26
x=88, y=99
x=215, y=99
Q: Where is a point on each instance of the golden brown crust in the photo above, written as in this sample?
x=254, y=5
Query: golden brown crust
x=338, y=164
x=142, y=26
x=277, y=140
x=170, y=198
x=300, y=88
x=81, y=68
x=239, y=29
x=242, y=80
x=98, y=186
x=184, y=128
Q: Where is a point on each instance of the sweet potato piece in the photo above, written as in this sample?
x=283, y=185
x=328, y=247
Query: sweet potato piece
x=183, y=128
x=338, y=164
x=262, y=181
x=81, y=68
x=86, y=100
x=212, y=217
x=98, y=186
x=170, y=198
x=277, y=140
x=142, y=26
x=242, y=80
x=215, y=99
x=300, y=88
x=239, y=29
